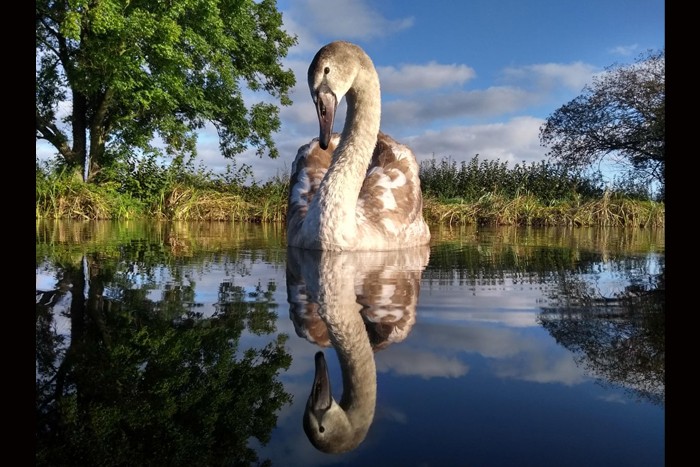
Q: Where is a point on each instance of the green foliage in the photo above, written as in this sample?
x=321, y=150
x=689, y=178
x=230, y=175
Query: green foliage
x=620, y=117
x=632, y=187
x=489, y=193
x=61, y=194
x=470, y=181
x=137, y=70
x=270, y=198
x=619, y=338
x=146, y=379
x=485, y=192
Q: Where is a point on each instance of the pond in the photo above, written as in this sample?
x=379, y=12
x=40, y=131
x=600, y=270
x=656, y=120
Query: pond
x=213, y=344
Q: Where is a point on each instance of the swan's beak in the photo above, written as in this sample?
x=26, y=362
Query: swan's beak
x=320, y=398
x=326, y=104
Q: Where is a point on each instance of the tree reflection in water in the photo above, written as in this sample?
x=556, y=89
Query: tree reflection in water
x=619, y=339
x=139, y=381
x=619, y=336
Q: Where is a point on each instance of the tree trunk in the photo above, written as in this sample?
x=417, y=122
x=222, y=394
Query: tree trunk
x=99, y=128
x=79, y=155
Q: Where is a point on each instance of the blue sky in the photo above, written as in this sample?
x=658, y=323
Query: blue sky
x=458, y=77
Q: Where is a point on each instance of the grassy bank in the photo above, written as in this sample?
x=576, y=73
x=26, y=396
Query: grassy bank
x=474, y=193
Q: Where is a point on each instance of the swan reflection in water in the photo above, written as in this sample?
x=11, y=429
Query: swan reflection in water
x=359, y=303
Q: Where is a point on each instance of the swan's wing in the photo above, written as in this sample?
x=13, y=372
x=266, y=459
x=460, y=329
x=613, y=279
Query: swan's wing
x=389, y=306
x=385, y=284
x=391, y=199
x=302, y=295
x=308, y=324
x=389, y=292
x=308, y=169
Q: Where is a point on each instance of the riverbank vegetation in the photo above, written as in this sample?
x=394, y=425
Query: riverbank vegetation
x=477, y=192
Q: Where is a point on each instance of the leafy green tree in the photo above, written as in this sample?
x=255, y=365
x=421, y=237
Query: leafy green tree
x=620, y=117
x=149, y=381
x=134, y=70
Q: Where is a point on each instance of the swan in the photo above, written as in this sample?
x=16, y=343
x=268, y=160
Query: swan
x=358, y=303
x=358, y=190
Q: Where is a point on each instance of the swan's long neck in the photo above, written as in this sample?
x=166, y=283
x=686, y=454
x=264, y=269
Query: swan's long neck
x=338, y=194
x=357, y=365
x=348, y=334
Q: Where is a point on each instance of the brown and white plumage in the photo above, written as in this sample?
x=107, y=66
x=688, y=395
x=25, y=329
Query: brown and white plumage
x=358, y=302
x=359, y=190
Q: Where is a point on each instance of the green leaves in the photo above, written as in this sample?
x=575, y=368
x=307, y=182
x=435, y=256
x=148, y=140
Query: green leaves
x=620, y=117
x=140, y=69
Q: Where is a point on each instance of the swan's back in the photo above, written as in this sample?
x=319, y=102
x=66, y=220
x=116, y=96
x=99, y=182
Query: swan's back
x=390, y=201
x=386, y=286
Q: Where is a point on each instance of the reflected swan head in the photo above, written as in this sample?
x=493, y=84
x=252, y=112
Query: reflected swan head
x=330, y=428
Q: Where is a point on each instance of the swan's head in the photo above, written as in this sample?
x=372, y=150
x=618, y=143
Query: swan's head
x=326, y=424
x=331, y=75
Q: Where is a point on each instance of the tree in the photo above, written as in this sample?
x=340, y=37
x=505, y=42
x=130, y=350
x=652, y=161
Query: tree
x=621, y=117
x=146, y=380
x=134, y=70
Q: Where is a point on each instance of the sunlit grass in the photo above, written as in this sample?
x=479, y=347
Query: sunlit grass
x=63, y=195
x=527, y=210
x=450, y=198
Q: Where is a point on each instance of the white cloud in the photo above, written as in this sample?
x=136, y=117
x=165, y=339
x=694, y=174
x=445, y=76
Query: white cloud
x=540, y=367
x=409, y=78
x=407, y=361
x=386, y=412
x=544, y=77
x=343, y=19
x=513, y=353
x=462, y=104
x=514, y=141
x=624, y=50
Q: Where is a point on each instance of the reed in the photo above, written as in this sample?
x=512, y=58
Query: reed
x=185, y=203
x=474, y=193
x=269, y=200
x=63, y=195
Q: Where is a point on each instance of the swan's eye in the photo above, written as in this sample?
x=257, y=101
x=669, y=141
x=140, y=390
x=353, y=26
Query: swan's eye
x=326, y=70
x=321, y=429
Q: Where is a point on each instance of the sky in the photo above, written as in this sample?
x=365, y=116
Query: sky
x=459, y=78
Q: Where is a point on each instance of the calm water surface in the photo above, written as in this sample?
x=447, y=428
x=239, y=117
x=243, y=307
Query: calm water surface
x=195, y=344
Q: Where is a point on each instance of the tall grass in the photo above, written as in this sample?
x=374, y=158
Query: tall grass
x=470, y=181
x=470, y=193
x=61, y=194
x=269, y=199
x=490, y=193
